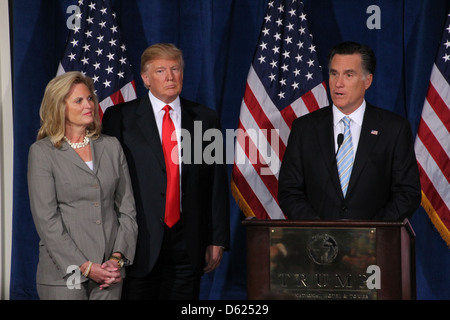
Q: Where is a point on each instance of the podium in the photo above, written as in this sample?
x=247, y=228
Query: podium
x=330, y=260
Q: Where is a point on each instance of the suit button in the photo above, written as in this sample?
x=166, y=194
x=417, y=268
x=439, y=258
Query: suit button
x=344, y=208
x=98, y=222
x=96, y=204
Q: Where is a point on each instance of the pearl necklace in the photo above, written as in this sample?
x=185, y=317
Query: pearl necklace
x=78, y=144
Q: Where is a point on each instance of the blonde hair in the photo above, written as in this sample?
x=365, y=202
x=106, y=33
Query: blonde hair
x=161, y=51
x=53, y=107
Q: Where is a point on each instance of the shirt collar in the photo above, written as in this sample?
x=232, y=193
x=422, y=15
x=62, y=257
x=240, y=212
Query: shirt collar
x=356, y=116
x=158, y=105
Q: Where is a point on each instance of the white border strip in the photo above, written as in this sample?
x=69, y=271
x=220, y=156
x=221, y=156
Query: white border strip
x=6, y=152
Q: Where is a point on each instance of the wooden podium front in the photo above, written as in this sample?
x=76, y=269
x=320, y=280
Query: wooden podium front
x=315, y=260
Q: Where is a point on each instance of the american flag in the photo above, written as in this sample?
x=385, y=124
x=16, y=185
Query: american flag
x=94, y=47
x=284, y=82
x=432, y=145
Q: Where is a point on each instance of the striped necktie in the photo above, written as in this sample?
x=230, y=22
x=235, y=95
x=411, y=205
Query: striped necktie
x=345, y=156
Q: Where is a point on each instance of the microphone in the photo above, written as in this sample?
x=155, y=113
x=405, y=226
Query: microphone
x=340, y=140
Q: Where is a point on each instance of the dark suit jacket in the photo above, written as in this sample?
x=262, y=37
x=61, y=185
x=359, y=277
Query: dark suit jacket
x=384, y=183
x=204, y=188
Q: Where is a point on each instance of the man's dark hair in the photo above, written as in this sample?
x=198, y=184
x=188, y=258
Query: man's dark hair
x=349, y=47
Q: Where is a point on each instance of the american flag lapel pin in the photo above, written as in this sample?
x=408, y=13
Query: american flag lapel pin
x=374, y=132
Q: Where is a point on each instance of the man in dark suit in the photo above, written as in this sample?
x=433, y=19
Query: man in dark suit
x=371, y=152
x=172, y=253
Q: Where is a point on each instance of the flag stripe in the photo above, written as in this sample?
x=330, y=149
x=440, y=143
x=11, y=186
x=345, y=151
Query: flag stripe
x=244, y=194
x=258, y=163
x=433, y=175
x=435, y=199
x=439, y=106
x=435, y=149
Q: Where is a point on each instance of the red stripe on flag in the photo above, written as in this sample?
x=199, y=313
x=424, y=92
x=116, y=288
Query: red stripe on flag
x=439, y=106
x=289, y=116
x=252, y=152
x=117, y=97
x=434, y=197
x=310, y=101
x=248, y=194
x=260, y=116
x=434, y=148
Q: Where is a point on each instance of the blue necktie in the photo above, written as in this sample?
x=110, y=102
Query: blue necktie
x=345, y=156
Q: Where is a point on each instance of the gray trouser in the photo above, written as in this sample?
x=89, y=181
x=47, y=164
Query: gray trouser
x=88, y=290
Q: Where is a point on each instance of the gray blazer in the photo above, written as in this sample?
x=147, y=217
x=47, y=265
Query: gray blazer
x=80, y=214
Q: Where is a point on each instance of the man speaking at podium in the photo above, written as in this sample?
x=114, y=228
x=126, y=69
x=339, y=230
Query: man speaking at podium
x=351, y=160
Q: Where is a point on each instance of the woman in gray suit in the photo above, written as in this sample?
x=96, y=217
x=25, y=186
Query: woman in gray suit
x=81, y=197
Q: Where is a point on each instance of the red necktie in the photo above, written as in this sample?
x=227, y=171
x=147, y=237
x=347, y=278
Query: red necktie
x=172, y=214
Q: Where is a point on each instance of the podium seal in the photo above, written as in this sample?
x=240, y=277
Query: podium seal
x=322, y=248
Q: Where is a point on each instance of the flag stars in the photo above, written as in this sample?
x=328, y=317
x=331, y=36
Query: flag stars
x=262, y=59
x=276, y=49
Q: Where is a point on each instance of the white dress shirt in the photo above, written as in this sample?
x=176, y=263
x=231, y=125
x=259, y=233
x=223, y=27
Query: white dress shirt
x=356, y=117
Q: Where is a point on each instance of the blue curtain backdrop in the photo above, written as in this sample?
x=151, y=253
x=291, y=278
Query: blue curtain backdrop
x=218, y=38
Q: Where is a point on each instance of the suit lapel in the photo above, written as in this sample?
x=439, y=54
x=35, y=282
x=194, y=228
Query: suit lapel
x=325, y=135
x=147, y=124
x=371, y=128
x=68, y=153
x=97, y=152
x=187, y=123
